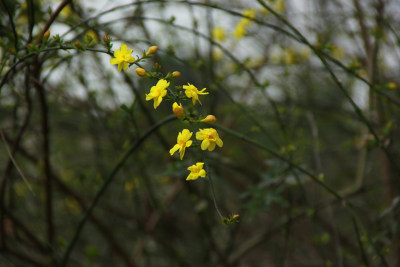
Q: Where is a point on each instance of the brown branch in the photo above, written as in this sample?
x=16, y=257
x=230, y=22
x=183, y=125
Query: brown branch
x=52, y=18
x=46, y=152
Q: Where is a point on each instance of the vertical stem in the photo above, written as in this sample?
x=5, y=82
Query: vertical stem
x=213, y=196
x=44, y=112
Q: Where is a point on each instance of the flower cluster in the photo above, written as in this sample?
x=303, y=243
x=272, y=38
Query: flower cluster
x=207, y=138
x=165, y=89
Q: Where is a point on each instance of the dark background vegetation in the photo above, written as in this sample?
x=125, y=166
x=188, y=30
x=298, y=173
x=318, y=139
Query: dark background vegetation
x=307, y=107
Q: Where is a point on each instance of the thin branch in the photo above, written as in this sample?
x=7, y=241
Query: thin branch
x=12, y=25
x=52, y=18
x=15, y=162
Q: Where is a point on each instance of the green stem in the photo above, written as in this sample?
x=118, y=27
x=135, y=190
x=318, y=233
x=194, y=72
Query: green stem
x=213, y=195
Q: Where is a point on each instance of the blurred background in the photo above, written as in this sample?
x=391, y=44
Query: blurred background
x=307, y=101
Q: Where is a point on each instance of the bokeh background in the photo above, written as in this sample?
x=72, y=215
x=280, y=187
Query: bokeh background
x=307, y=101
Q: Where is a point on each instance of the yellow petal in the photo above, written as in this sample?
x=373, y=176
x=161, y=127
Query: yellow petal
x=202, y=173
x=219, y=142
x=182, y=153
x=114, y=61
x=211, y=147
x=200, y=135
x=174, y=149
x=149, y=97
x=124, y=48
x=189, y=143
x=205, y=144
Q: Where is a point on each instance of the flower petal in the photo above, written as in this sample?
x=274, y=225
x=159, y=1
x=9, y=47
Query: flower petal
x=174, y=149
x=189, y=143
x=124, y=48
x=205, y=144
x=114, y=61
x=182, y=152
x=202, y=173
x=211, y=147
x=219, y=142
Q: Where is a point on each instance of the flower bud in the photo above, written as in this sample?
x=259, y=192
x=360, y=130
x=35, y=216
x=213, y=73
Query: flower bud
x=209, y=119
x=106, y=38
x=152, y=50
x=77, y=44
x=46, y=34
x=141, y=72
x=176, y=74
x=178, y=110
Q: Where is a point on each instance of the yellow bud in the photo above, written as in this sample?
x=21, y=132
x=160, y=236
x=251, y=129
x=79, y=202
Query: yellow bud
x=209, y=119
x=141, y=72
x=176, y=74
x=106, y=38
x=46, y=34
x=152, y=50
x=77, y=44
x=178, y=110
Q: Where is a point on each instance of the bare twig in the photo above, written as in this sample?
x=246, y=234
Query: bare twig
x=15, y=162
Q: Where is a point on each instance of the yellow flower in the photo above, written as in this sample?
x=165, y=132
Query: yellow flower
x=157, y=92
x=182, y=143
x=280, y=6
x=196, y=171
x=122, y=57
x=249, y=13
x=192, y=92
x=210, y=138
x=91, y=37
x=392, y=85
x=240, y=29
x=218, y=33
x=178, y=110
